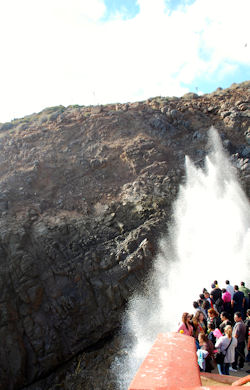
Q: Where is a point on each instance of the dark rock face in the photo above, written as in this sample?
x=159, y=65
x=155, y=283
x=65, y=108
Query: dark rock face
x=85, y=194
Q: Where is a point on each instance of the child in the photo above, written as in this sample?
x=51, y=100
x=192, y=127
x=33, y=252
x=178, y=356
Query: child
x=213, y=333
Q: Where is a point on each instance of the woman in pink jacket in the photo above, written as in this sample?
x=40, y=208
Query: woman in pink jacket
x=226, y=297
x=186, y=327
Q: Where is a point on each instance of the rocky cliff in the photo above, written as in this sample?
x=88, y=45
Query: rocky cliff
x=85, y=194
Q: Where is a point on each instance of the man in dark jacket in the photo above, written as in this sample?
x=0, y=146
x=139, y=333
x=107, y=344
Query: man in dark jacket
x=238, y=301
x=216, y=292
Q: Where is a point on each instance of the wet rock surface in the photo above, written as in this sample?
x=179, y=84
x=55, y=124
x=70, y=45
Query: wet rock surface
x=85, y=194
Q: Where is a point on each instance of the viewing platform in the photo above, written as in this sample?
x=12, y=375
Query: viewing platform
x=172, y=364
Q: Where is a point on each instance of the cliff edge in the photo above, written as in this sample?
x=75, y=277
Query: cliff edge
x=85, y=194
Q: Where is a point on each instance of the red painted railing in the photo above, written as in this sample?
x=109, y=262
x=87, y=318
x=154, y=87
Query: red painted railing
x=172, y=364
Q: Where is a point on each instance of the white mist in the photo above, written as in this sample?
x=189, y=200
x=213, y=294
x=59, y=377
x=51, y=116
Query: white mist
x=209, y=239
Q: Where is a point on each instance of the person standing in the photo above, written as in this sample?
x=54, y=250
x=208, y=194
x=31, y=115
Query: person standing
x=200, y=303
x=226, y=297
x=246, y=293
x=210, y=332
x=244, y=289
x=196, y=307
x=206, y=306
x=185, y=325
x=239, y=332
x=229, y=288
x=225, y=321
x=226, y=344
x=247, y=323
x=216, y=292
x=206, y=345
x=216, y=283
x=238, y=301
x=199, y=324
x=207, y=297
x=213, y=317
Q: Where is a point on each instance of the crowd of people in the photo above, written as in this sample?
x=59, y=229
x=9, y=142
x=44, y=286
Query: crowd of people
x=220, y=324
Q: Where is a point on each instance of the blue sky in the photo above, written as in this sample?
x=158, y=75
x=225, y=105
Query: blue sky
x=87, y=52
x=131, y=8
x=128, y=8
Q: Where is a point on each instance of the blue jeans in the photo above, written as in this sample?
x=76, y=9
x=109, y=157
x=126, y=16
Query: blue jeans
x=220, y=369
x=223, y=369
x=227, y=365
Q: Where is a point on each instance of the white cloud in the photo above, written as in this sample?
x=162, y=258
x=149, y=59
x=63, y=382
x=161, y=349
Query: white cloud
x=56, y=52
x=151, y=9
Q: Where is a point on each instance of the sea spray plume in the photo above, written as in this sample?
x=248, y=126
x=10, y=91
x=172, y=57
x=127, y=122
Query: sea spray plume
x=209, y=238
x=211, y=230
x=222, y=171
